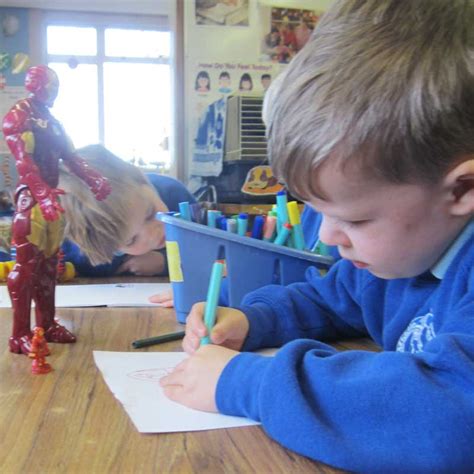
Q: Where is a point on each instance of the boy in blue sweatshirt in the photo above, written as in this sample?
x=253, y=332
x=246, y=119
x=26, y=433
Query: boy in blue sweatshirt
x=373, y=126
x=119, y=234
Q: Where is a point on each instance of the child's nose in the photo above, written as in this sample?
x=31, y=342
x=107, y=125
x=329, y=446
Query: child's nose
x=331, y=234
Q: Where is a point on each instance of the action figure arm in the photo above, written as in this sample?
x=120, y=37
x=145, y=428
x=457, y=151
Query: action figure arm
x=97, y=183
x=21, y=141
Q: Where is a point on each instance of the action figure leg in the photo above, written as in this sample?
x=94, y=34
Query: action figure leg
x=43, y=297
x=21, y=279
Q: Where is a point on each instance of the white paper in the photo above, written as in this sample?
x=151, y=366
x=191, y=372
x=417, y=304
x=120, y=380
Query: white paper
x=134, y=380
x=115, y=294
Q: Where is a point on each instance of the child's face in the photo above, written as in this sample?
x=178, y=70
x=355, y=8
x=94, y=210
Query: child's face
x=203, y=82
x=246, y=85
x=392, y=230
x=224, y=81
x=145, y=233
x=266, y=83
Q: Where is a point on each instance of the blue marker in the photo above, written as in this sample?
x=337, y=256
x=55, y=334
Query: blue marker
x=242, y=222
x=212, y=298
x=257, y=229
x=184, y=210
x=221, y=222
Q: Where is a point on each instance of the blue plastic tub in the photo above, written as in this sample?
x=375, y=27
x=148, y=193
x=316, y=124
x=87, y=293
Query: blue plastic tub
x=193, y=248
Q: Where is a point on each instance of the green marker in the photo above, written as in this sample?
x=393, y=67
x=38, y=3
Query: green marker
x=151, y=341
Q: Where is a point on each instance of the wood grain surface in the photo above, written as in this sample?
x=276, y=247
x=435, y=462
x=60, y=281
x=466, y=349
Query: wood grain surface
x=68, y=421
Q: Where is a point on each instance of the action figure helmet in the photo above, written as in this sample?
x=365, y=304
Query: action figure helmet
x=43, y=84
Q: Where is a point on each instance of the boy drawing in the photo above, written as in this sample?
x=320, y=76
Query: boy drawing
x=121, y=235
x=373, y=127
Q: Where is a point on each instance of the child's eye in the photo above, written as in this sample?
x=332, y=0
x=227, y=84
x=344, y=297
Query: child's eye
x=357, y=223
x=131, y=241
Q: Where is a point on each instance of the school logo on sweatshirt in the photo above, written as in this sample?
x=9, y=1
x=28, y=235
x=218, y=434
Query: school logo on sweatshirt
x=417, y=334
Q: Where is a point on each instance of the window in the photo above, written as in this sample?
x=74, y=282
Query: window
x=115, y=87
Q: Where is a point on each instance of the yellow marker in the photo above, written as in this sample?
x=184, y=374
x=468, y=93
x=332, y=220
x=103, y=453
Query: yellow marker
x=295, y=221
x=174, y=261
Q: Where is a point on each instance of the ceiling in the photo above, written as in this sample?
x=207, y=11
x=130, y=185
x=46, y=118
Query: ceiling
x=155, y=7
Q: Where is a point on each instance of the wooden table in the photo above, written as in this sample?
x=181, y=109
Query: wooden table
x=69, y=422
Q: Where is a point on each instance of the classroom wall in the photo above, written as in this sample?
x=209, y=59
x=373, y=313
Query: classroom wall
x=236, y=49
x=14, y=46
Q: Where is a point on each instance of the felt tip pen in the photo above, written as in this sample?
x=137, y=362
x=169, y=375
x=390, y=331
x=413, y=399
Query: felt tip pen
x=221, y=222
x=320, y=248
x=295, y=221
x=282, y=211
x=184, y=210
x=269, y=229
x=257, y=229
x=212, y=299
x=151, y=341
x=232, y=225
x=242, y=222
x=212, y=216
x=282, y=237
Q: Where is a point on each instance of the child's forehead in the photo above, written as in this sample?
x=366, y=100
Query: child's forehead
x=144, y=196
x=337, y=179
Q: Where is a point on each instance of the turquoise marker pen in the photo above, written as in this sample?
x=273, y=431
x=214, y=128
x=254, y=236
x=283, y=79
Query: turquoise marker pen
x=212, y=215
x=282, y=237
x=282, y=211
x=321, y=248
x=184, y=210
x=212, y=298
x=242, y=222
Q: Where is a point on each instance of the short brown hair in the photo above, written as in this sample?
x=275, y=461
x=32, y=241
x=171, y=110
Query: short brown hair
x=386, y=82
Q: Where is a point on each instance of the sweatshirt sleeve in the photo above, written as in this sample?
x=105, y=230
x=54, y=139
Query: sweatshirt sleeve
x=279, y=314
x=363, y=411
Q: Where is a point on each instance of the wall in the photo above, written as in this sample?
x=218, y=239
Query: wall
x=236, y=49
x=14, y=39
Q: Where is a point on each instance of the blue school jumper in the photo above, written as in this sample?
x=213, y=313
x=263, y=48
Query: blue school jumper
x=409, y=408
x=171, y=191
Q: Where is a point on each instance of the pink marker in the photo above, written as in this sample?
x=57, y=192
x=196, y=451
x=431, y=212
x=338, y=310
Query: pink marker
x=269, y=229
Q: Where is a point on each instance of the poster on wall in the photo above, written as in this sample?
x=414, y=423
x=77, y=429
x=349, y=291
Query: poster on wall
x=285, y=32
x=212, y=83
x=222, y=12
x=14, y=61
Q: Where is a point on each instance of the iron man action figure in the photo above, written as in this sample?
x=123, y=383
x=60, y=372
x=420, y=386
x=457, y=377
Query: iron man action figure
x=38, y=141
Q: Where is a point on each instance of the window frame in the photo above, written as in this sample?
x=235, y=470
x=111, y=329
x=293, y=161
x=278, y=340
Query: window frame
x=101, y=22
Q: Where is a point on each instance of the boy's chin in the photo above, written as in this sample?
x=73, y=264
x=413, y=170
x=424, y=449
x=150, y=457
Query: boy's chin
x=394, y=274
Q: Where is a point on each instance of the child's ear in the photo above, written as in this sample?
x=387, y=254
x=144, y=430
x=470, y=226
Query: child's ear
x=460, y=184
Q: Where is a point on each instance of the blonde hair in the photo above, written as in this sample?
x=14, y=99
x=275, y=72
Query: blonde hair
x=387, y=82
x=99, y=227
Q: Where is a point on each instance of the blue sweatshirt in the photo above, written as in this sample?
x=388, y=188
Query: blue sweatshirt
x=171, y=191
x=407, y=409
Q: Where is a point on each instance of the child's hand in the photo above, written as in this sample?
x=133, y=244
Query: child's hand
x=148, y=264
x=230, y=330
x=165, y=299
x=193, y=382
